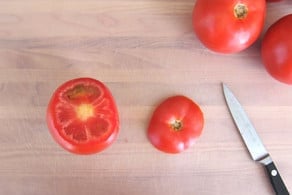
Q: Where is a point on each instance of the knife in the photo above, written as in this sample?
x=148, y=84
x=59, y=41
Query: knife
x=253, y=142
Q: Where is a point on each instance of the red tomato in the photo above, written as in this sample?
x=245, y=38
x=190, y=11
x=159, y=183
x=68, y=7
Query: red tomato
x=82, y=116
x=228, y=26
x=277, y=49
x=273, y=0
x=176, y=123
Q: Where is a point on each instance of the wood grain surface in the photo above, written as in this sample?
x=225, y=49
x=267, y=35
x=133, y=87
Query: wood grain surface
x=144, y=51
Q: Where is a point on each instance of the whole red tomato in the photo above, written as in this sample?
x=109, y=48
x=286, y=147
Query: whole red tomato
x=228, y=26
x=277, y=49
x=82, y=116
x=175, y=124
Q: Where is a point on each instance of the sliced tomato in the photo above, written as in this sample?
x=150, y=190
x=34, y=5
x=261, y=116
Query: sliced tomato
x=175, y=124
x=82, y=116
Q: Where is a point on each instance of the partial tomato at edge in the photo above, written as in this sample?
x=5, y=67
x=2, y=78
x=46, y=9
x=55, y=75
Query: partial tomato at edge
x=228, y=26
x=277, y=49
x=82, y=116
x=271, y=1
x=175, y=124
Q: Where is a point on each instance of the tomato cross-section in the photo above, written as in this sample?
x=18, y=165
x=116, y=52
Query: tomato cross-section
x=82, y=116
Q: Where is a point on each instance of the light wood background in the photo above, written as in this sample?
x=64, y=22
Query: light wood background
x=144, y=51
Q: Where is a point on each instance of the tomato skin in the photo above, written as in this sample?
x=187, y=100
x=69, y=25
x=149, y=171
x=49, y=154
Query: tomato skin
x=277, y=49
x=106, y=138
x=161, y=131
x=217, y=27
x=273, y=0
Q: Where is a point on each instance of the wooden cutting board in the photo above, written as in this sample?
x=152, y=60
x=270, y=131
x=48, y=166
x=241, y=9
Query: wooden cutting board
x=144, y=51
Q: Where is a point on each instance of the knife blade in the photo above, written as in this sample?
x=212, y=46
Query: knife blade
x=253, y=142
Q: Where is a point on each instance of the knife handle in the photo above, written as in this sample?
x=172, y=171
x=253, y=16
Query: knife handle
x=276, y=179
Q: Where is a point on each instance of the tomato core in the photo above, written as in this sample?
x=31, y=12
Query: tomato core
x=240, y=11
x=84, y=111
x=176, y=125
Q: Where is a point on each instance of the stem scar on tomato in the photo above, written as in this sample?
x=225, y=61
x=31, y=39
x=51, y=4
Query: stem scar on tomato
x=240, y=11
x=228, y=26
x=176, y=125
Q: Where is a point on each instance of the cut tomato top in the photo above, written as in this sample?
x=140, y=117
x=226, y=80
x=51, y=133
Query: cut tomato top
x=82, y=116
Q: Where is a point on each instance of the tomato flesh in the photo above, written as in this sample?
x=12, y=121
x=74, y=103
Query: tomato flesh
x=82, y=116
x=175, y=124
